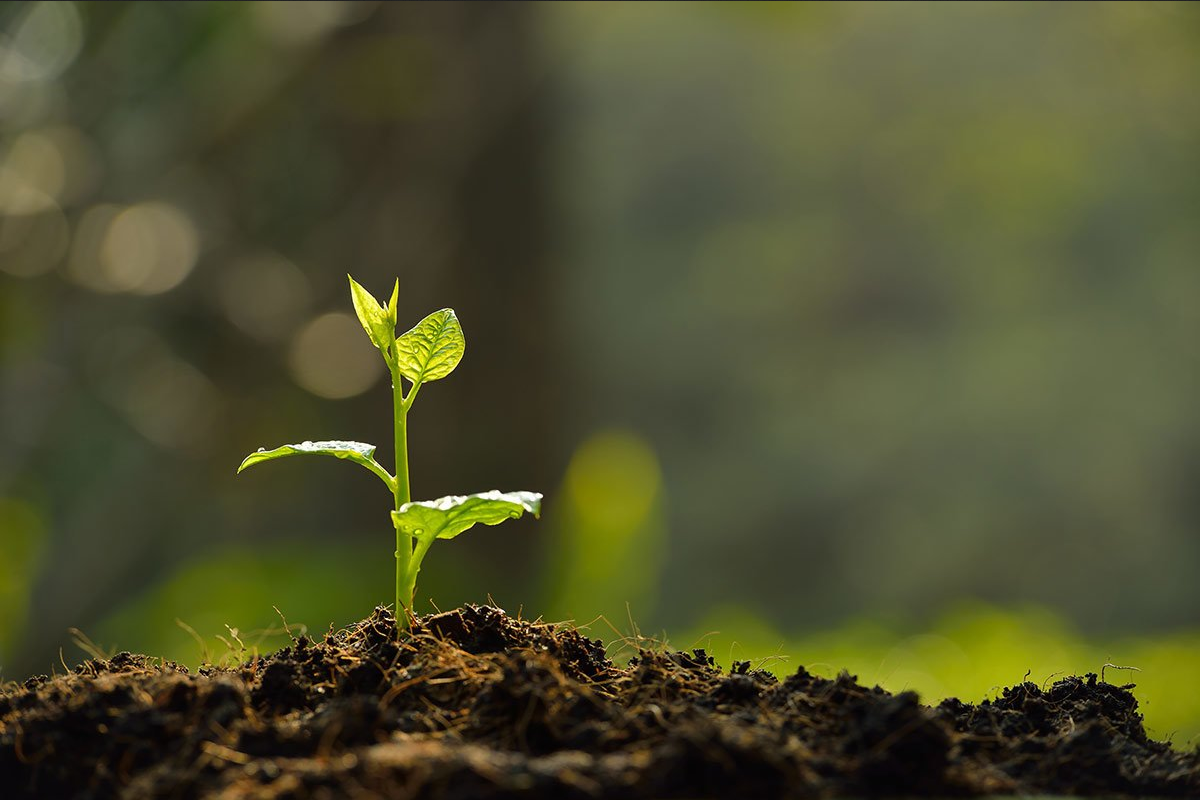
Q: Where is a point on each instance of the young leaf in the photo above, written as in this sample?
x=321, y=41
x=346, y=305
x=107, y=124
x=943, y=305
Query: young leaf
x=447, y=517
x=373, y=316
x=432, y=349
x=391, y=309
x=358, y=452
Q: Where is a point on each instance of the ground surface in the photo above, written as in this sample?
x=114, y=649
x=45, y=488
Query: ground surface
x=479, y=705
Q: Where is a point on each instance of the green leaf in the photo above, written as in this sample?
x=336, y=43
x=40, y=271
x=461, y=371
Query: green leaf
x=372, y=315
x=447, y=517
x=391, y=309
x=432, y=349
x=358, y=452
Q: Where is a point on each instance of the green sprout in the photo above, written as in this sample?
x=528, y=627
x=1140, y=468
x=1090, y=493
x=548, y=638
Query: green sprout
x=428, y=352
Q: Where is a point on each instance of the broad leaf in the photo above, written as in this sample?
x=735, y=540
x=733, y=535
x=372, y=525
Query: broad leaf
x=358, y=452
x=447, y=517
x=432, y=349
x=373, y=316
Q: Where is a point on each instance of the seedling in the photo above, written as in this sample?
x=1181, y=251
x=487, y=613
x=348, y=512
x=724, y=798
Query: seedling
x=428, y=352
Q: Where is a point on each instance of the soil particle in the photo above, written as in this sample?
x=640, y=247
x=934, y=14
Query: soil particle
x=476, y=704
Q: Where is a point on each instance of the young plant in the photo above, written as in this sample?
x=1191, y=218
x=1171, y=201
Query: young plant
x=428, y=352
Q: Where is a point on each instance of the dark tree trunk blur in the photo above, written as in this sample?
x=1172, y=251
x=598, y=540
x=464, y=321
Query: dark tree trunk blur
x=475, y=178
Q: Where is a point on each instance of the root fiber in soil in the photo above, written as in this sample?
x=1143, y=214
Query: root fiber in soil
x=476, y=704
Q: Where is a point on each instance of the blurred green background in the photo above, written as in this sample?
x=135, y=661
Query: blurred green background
x=864, y=335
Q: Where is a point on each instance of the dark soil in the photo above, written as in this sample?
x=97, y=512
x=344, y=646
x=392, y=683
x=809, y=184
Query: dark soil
x=476, y=704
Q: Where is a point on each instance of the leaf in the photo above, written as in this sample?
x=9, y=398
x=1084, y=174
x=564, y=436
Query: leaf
x=372, y=315
x=391, y=309
x=358, y=452
x=432, y=349
x=447, y=517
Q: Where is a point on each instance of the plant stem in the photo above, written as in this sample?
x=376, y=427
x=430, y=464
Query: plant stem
x=404, y=547
x=414, y=566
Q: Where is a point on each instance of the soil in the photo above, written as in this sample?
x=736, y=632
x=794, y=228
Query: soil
x=476, y=704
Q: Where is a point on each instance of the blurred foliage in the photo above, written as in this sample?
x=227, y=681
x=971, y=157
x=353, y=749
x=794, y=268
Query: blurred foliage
x=915, y=283
x=22, y=536
x=900, y=299
x=240, y=588
x=971, y=652
x=609, y=532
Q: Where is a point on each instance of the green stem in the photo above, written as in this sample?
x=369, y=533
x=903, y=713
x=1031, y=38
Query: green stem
x=402, y=495
x=412, y=395
x=383, y=474
x=414, y=567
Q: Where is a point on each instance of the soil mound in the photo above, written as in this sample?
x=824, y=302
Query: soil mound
x=476, y=704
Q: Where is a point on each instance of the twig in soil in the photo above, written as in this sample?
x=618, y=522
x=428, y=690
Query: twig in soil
x=399, y=688
x=634, y=640
x=880, y=678
x=762, y=662
x=286, y=628
x=234, y=632
x=1049, y=678
x=260, y=636
x=87, y=645
x=224, y=753
x=204, y=653
x=328, y=738
x=1115, y=666
x=704, y=640
x=633, y=626
x=776, y=656
x=438, y=715
x=235, y=653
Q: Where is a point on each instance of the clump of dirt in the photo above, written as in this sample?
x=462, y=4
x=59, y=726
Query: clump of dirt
x=476, y=704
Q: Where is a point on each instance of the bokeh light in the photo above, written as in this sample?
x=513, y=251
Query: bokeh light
x=330, y=358
x=609, y=531
x=613, y=480
x=42, y=43
x=264, y=295
x=148, y=248
x=32, y=176
x=295, y=22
